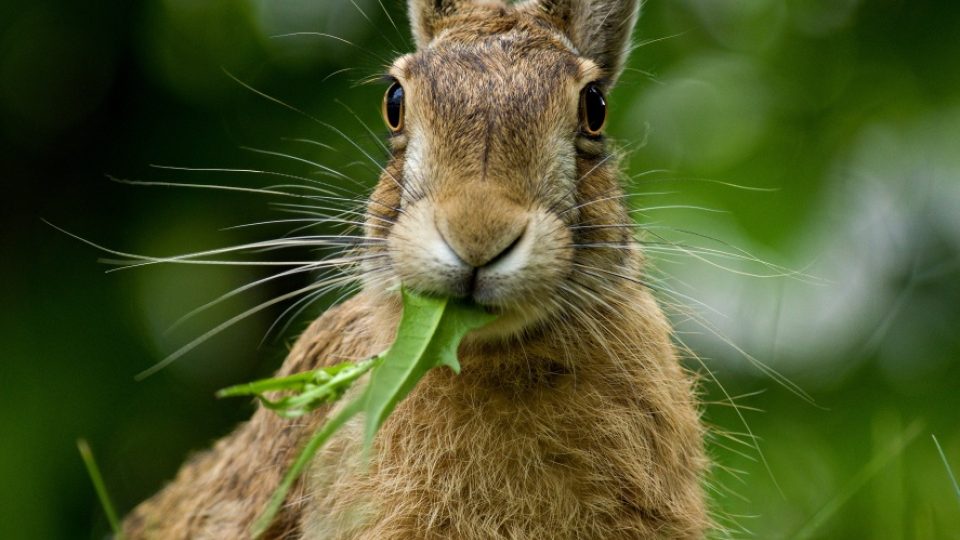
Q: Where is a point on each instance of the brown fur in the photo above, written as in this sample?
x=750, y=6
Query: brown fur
x=572, y=417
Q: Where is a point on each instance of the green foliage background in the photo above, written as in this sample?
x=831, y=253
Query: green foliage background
x=847, y=113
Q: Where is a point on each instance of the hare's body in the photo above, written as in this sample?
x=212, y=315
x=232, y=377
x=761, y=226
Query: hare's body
x=572, y=417
x=219, y=493
x=564, y=437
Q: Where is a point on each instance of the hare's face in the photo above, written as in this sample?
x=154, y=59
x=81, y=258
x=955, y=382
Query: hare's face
x=500, y=189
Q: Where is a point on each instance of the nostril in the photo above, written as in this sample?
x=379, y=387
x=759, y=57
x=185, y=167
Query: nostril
x=484, y=253
x=506, y=251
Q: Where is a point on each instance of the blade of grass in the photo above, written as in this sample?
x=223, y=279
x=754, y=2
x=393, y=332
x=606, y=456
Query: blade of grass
x=872, y=468
x=97, y=479
x=946, y=464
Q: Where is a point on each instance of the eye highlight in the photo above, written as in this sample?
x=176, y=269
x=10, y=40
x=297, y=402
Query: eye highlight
x=593, y=110
x=393, y=107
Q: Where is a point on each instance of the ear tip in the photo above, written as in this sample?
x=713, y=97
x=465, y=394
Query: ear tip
x=600, y=29
x=424, y=14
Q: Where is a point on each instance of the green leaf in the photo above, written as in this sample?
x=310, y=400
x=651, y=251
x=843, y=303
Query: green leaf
x=428, y=337
x=310, y=389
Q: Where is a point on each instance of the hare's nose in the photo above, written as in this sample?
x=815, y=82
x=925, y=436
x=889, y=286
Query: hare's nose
x=479, y=258
x=482, y=235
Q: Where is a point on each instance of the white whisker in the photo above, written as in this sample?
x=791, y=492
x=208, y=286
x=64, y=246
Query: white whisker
x=263, y=173
x=219, y=328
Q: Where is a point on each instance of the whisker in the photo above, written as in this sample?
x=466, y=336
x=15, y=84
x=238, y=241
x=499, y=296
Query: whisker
x=331, y=127
x=263, y=173
x=310, y=222
x=645, y=43
x=127, y=264
x=333, y=74
x=220, y=328
x=366, y=127
x=320, y=166
x=401, y=35
x=371, y=23
x=294, y=311
x=588, y=269
x=381, y=59
x=676, y=207
x=136, y=260
x=706, y=181
x=239, y=290
x=576, y=184
x=617, y=196
x=669, y=247
x=693, y=253
x=307, y=209
x=651, y=76
x=325, y=146
x=205, y=186
x=743, y=420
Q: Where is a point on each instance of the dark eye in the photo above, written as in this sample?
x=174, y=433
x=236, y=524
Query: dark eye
x=393, y=107
x=593, y=110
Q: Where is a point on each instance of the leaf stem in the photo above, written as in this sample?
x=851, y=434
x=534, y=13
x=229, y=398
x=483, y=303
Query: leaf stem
x=306, y=455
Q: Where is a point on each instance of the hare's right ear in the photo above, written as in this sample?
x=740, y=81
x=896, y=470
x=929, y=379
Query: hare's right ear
x=599, y=29
x=424, y=15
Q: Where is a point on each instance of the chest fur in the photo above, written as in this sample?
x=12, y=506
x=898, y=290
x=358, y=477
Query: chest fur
x=549, y=453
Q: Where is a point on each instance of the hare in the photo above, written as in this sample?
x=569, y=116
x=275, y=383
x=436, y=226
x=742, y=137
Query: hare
x=572, y=417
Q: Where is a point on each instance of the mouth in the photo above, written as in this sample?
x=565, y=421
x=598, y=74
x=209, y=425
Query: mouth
x=512, y=319
x=468, y=302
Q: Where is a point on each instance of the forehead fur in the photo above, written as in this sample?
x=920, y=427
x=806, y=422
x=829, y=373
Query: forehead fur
x=495, y=59
x=498, y=74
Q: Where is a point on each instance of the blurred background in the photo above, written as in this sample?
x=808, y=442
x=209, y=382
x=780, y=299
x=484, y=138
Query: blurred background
x=796, y=161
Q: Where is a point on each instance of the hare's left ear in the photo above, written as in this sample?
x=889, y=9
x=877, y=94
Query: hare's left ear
x=599, y=29
x=424, y=15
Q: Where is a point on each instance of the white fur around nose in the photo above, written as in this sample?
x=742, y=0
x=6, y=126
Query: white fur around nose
x=422, y=258
x=434, y=252
x=440, y=249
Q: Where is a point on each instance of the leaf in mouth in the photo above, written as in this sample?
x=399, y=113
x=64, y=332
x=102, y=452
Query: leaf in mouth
x=428, y=336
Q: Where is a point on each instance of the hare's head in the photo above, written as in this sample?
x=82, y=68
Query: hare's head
x=501, y=187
